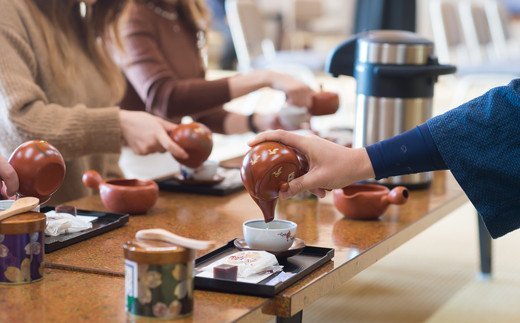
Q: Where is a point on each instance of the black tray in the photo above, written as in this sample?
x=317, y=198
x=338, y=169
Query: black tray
x=105, y=222
x=295, y=268
x=231, y=184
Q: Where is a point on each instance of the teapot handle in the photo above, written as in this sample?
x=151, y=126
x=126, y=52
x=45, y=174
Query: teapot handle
x=398, y=195
x=92, y=179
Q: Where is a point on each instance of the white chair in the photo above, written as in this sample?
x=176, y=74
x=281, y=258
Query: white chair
x=462, y=36
x=254, y=49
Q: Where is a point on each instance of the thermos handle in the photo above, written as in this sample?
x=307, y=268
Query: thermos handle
x=341, y=59
x=414, y=70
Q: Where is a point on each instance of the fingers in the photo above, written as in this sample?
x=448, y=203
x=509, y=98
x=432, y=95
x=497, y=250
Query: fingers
x=168, y=126
x=9, y=177
x=282, y=136
x=296, y=186
x=168, y=144
x=319, y=192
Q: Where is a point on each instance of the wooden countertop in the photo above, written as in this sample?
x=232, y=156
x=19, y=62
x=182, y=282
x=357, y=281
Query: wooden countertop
x=358, y=244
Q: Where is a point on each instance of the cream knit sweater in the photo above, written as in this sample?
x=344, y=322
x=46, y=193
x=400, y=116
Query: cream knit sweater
x=81, y=121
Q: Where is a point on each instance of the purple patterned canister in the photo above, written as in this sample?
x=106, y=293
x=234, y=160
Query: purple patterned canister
x=22, y=248
x=158, y=279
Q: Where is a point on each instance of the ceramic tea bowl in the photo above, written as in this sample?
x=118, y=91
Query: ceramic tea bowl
x=40, y=168
x=130, y=196
x=275, y=236
x=266, y=168
x=206, y=172
x=196, y=139
x=367, y=201
x=324, y=103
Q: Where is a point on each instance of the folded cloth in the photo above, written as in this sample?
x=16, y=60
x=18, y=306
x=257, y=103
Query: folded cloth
x=63, y=223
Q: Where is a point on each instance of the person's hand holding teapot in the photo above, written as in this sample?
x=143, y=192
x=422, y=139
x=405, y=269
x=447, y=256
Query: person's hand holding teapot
x=8, y=179
x=146, y=134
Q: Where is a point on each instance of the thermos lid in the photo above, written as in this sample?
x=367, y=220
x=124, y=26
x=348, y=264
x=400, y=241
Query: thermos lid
x=23, y=223
x=157, y=252
x=393, y=47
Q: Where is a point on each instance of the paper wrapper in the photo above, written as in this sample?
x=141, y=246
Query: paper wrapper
x=253, y=266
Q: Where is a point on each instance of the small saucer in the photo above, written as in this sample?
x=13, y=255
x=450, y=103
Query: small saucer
x=295, y=249
x=206, y=182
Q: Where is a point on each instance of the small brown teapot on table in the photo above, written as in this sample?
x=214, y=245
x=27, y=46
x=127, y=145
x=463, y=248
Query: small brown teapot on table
x=324, y=103
x=132, y=196
x=266, y=168
x=367, y=201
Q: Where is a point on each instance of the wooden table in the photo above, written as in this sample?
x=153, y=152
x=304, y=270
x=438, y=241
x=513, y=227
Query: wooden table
x=85, y=280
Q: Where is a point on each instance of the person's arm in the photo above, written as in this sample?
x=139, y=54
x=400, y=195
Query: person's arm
x=75, y=131
x=164, y=93
x=28, y=114
x=411, y=152
x=8, y=178
x=480, y=143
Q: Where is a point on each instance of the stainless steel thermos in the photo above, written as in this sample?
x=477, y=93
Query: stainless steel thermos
x=395, y=72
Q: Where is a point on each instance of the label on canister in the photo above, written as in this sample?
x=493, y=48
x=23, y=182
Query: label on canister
x=159, y=290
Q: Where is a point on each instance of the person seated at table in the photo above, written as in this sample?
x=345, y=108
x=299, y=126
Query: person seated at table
x=57, y=83
x=161, y=59
x=8, y=179
x=479, y=142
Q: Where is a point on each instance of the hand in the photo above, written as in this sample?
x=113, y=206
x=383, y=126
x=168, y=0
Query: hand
x=146, y=134
x=298, y=93
x=8, y=179
x=330, y=165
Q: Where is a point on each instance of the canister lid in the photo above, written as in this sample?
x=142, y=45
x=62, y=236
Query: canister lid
x=23, y=223
x=156, y=252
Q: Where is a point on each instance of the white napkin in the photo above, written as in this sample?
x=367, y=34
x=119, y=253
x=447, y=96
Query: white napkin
x=63, y=223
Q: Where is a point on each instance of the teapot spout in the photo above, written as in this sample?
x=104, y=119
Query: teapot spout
x=398, y=195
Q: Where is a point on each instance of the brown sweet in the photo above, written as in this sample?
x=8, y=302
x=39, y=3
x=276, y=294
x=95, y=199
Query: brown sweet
x=225, y=271
x=131, y=196
x=196, y=139
x=266, y=168
x=40, y=168
x=367, y=201
x=63, y=208
x=324, y=103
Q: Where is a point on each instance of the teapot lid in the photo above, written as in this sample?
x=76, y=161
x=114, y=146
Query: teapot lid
x=156, y=252
x=23, y=223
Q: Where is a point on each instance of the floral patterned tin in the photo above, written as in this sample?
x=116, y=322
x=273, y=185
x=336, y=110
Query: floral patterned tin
x=158, y=279
x=22, y=248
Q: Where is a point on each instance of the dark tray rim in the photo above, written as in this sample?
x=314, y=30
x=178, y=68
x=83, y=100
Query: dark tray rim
x=258, y=289
x=122, y=219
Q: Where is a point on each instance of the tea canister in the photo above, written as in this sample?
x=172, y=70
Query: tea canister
x=22, y=248
x=158, y=279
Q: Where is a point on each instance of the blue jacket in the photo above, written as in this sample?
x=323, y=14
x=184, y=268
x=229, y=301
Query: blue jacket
x=480, y=143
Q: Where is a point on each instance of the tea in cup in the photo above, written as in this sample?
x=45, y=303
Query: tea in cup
x=206, y=172
x=275, y=236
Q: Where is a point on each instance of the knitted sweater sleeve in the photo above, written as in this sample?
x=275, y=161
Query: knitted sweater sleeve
x=26, y=113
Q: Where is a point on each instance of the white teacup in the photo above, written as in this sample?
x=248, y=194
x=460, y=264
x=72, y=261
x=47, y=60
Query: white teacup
x=277, y=235
x=206, y=172
x=292, y=117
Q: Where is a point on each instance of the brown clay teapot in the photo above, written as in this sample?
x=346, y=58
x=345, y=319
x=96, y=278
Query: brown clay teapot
x=196, y=139
x=132, y=196
x=40, y=168
x=324, y=103
x=367, y=201
x=266, y=168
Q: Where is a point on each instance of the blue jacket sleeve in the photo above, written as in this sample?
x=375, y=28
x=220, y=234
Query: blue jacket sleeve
x=413, y=151
x=480, y=143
